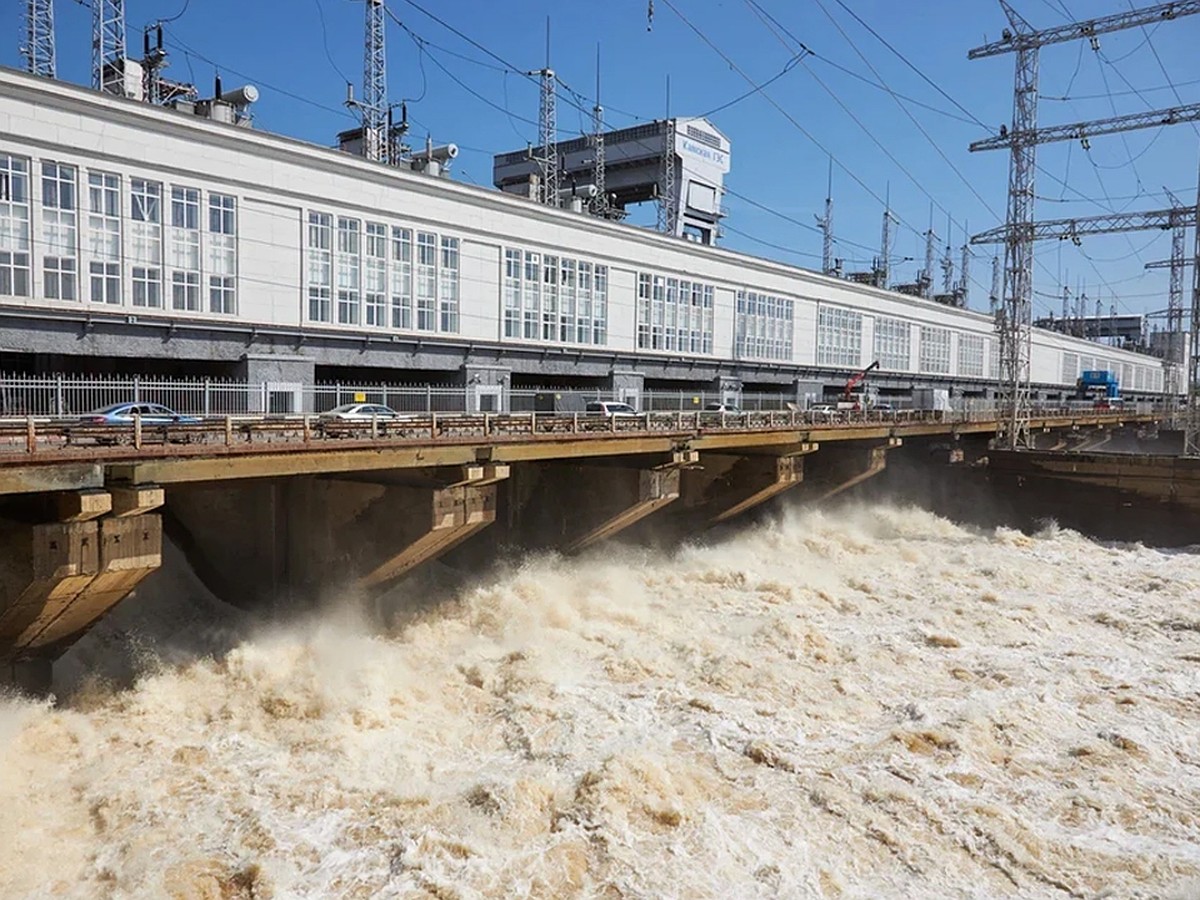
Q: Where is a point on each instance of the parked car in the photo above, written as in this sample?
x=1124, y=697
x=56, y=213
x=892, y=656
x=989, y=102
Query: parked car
x=721, y=408
x=883, y=408
x=359, y=412
x=125, y=413
x=609, y=408
x=823, y=411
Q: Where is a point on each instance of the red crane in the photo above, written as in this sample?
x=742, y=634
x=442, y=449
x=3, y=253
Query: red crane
x=854, y=381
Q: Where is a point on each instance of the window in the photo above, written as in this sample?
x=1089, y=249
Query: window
x=222, y=254
x=184, y=243
x=104, y=237
x=512, y=293
x=533, y=294
x=427, y=253
x=222, y=296
x=673, y=313
x=320, y=267
x=375, y=283
x=970, y=355
x=448, y=285
x=402, y=275
x=549, y=297
x=935, y=350
x=146, y=242
x=893, y=344
x=763, y=326
x=839, y=337
x=185, y=291
x=60, y=264
x=993, y=352
x=1070, y=368
x=554, y=298
x=348, y=271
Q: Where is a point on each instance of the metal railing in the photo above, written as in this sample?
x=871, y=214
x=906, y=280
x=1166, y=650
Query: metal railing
x=70, y=396
x=51, y=440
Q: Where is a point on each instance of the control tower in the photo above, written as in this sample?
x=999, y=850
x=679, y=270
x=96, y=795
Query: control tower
x=635, y=159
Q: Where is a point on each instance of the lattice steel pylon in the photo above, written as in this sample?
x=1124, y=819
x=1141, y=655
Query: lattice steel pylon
x=108, y=46
x=39, y=38
x=1014, y=315
x=599, y=204
x=1191, y=421
x=825, y=223
x=668, y=202
x=374, y=106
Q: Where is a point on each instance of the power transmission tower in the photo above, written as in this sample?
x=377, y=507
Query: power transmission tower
x=1014, y=319
x=1191, y=423
x=1173, y=357
x=825, y=223
x=39, y=37
x=547, y=157
x=374, y=105
x=108, y=46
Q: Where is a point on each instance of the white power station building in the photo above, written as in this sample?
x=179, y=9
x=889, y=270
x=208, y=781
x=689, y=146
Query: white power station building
x=133, y=232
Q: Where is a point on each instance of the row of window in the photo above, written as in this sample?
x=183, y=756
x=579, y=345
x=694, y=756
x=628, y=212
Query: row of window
x=1129, y=375
x=167, y=253
x=376, y=275
x=763, y=328
x=674, y=314
x=893, y=343
x=554, y=298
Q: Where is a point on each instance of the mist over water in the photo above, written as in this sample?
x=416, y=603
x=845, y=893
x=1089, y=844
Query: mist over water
x=868, y=702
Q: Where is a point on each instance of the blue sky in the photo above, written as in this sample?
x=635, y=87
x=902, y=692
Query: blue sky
x=301, y=53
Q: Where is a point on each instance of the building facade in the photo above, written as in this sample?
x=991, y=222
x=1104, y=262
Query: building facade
x=133, y=232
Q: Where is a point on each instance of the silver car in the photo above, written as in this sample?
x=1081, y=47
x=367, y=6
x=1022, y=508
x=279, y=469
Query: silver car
x=359, y=412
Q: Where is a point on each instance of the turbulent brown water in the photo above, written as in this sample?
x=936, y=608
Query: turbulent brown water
x=867, y=703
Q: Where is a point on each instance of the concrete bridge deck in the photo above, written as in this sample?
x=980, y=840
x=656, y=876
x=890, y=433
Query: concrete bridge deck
x=50, y=456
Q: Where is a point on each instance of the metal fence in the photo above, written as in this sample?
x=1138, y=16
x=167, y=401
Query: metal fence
x=66, y=396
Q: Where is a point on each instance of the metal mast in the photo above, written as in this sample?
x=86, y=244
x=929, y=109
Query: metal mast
x=947, y=264
x=825, y=223
x=1013, y=321
x=883, y=270
x=994, y=295
x=374, y=105
x=668, y=204
x=108, y=46
x=548, y=129
x=925, y=279
x=39, y=37
x=599, y=176
x=964, y=276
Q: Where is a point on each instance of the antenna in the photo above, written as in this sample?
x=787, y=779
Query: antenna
x=108, y=46
x=39, y=37
x=548, y=129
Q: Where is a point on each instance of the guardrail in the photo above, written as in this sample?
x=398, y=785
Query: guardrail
x=21, y=439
